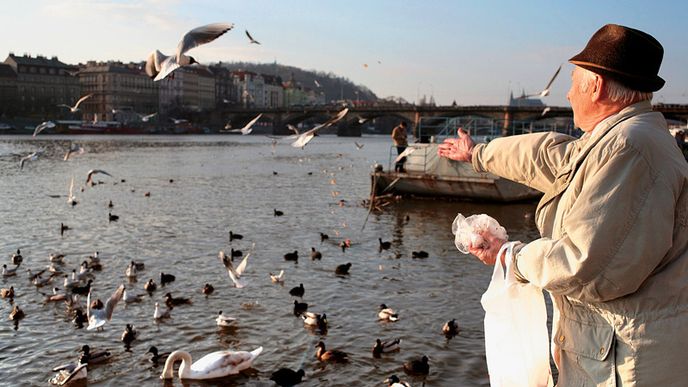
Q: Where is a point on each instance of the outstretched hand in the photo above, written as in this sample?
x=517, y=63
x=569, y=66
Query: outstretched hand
x=459, y=149
x=489, y=248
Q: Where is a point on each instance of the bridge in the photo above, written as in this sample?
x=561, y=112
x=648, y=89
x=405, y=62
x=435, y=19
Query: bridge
x=359, y=114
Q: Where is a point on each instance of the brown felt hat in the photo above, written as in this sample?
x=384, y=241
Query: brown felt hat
x=629, y=56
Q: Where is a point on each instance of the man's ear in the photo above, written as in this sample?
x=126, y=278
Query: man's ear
x=598, y=88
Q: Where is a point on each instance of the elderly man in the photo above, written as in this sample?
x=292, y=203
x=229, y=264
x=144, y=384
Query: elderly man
x=613, y=220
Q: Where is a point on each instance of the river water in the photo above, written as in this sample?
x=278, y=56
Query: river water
x=200, y=188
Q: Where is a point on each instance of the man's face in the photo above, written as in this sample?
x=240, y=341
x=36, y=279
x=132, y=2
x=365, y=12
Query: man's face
x=579, y=98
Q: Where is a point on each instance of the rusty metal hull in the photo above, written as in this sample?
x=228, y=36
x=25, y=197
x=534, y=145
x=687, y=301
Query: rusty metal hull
x=484, y=187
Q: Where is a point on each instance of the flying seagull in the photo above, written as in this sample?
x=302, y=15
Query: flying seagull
x=75, y=108
x=545, y=111
x=544, y=92
x=248, y=128
x=44, y=125
x=159, y=66
x=251, y=38
x=234, y=273
x=305, y=137
x=32, y=157
x=71, y=199
x=317, y=84
x=74, y=148
x=98, y=314
x=358, y=146
x=147, y=117
x=92, y=172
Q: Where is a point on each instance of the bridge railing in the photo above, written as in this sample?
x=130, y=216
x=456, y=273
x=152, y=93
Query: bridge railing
x=485, y=129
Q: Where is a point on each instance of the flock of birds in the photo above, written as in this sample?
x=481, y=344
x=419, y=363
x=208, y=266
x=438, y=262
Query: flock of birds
x=95, y=314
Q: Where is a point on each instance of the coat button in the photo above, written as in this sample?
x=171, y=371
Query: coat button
x=602, y=351
x=562, y=338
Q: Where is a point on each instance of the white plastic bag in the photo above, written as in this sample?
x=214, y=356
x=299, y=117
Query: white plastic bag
x=468, y=230
x=516, y=342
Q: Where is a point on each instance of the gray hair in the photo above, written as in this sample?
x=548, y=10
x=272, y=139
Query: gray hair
x=615, y=90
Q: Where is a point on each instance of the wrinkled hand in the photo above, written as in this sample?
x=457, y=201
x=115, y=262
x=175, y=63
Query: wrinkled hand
x=459, y=149
x=487, y=251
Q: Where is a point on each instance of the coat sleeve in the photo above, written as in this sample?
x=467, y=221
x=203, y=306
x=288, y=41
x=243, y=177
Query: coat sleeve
x=530, y=159
x=615, y=234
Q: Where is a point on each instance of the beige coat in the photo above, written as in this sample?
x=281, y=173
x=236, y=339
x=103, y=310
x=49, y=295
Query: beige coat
x=614, y=247
x=399, y=136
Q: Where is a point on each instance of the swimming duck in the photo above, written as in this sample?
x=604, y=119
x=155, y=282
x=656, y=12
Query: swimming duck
x=159, y=314
x=7, y=272
x=79, y=318
x=54, y=269
x=131, y=271
x=300, y=308
x=94, y=258
x=278, y=279
x=129, y=335
x=315, y=320
x=150, y=286
x=56, y=258
x=16, y=314
x=417, y=367
x=234, y=273
x=213, y=365
x=208, y=289
x=7, y=293
x=419, y=254
x=224, y=321
x=110, y=205
x=40, y=281
x=17, y=258
x=235, y=253
x=297, y=291
x=393, y=381
x=68, y=282
x=450, y=328
x=343, y=269
x=345, y=244
x=172, y=302
x=292, y=256
x=233, y=236
x=157, y=357
x=277, y=212
x=381, y=347
x=69, y=373
x=166, y=278
x=315, y=254
x=384, y=245
x=323, y=236
x=92, y=356
x=386, y=313
x=286, y=377
x=98, y=314
x=128, y=298
x=112, y=218
x=82, y=290
x=56, y=296
x=333, y=355
x=63, y=228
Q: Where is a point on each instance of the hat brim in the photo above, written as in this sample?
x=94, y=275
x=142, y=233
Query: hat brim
x=634, y=82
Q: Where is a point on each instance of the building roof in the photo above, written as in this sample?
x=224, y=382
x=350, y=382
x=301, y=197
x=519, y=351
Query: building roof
x=38, y=60
x=6, y=71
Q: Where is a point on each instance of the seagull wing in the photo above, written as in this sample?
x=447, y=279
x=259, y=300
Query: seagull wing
x=336, y=118
x=552, y=80
x=242, y=266
x=166, y=68
x=112, y=301
x=82, y=99
x=71, y=191
x=201, y=35
x=293, y=128
x=251, y=38
x=405, y=153
x=42, y=126
x=247, y=129
x=93, y=172
x=148, y=117
x=154, y=62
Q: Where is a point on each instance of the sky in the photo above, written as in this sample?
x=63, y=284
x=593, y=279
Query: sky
x=471, y=52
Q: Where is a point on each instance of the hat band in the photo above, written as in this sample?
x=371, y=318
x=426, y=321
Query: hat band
x=595, y=65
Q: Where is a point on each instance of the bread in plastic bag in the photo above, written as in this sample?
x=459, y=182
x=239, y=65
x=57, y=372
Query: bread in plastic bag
x=468, y=231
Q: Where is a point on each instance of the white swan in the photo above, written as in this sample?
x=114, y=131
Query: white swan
x=213, y=365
